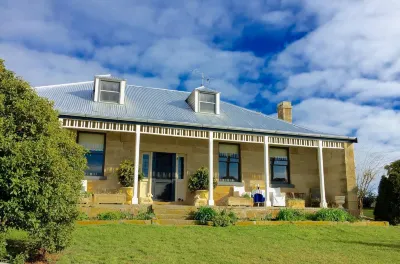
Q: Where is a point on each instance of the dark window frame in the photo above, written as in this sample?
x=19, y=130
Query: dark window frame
x=104, y=151
x=287, y=167
x=227, y=165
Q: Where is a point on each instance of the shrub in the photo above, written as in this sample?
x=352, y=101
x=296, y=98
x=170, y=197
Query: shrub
x=86, y=194
x=126, y=173
x=82, y=216
x=288, y=214
x=199, y=180
x=267, y=217
x=223, y=218
x=334, y=215
x=144, y=214
x=117, y=215
x=41, y=166
x=388, y=201
x=246, y=195
x=368, y=200
x=204, y=214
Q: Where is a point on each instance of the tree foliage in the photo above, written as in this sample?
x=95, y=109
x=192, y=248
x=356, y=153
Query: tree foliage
x=388, y=201
x=41, y=166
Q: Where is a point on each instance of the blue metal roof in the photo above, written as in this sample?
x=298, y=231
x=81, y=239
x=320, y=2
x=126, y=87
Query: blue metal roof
x=163, y=106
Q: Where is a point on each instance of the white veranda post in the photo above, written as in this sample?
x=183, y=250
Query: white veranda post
x=211, y=169
x=135, y=199
x=266, y=172
x=321, y=175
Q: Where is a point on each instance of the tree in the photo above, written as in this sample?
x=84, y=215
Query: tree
x=41, y=166
x=388, y=202
x=369, y=169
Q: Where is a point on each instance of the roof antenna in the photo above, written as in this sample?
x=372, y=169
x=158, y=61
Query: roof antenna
x=204, y=78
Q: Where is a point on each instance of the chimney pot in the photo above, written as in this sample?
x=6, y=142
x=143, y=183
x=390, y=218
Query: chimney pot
x=285, y=111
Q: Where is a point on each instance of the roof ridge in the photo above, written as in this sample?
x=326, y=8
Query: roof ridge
x=157, y=88
x=62, y=84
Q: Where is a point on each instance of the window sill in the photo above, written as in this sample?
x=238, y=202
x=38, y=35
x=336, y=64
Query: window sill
x=222, y=183
x=95, y=178
x=282, y=185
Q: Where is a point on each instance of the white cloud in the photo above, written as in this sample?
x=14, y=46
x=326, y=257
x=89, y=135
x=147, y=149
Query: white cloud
x=377, y=128
x=355, y=45
x=46, y=68
x=278, y=18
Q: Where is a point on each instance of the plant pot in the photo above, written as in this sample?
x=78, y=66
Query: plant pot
x=340, y=200
x=128, y=191
x=296, y=203
x=202, y=193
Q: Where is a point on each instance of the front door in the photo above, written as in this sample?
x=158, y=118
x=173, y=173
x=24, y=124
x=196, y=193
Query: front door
x=163, y=176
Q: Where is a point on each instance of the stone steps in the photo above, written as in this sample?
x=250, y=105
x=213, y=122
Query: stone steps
x=176, y=212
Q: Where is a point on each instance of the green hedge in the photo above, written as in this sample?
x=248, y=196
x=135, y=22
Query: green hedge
x=326, y=214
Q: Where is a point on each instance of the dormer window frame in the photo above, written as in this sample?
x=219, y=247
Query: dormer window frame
x=207, y=102
x=194, y=100
x=99, y=89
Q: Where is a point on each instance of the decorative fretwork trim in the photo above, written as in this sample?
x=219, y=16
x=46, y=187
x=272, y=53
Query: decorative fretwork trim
x=174, y=132
x=193, y=133
x=97, y=125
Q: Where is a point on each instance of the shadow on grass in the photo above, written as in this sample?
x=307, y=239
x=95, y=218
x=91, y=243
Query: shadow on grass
x=371, y=244
x=16, y=247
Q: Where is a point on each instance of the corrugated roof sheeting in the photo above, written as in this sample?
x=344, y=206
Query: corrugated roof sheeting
x=160, y=106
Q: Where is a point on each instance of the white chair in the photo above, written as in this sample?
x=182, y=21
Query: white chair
x=84, y=186
x=238, y=191
x=277, y=198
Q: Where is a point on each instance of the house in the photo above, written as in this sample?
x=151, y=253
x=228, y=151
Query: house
x=171, y=134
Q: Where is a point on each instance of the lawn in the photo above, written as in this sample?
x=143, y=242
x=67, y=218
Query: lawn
x=369, y=212
x=123, y=243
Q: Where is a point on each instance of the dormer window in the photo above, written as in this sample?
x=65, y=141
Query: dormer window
x=204, y=100
x=207, y=102
x=109, y=89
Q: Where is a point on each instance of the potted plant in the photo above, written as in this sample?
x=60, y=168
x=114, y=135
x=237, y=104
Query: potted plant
x=126, y=175
x=198, y=183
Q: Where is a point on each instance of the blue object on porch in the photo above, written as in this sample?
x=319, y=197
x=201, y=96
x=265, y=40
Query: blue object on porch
x=258, y=198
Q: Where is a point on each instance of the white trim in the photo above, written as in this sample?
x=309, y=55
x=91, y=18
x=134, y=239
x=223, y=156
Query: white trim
x=174, y=132
x=135, y=199
x=266, y=172
x=210, y=169
x=96, y=90
x=62, y=84
x=122, y=86
x=196, y=101
x=149, y=176
x=196, y=133
x=217, y=103
x=321, y=175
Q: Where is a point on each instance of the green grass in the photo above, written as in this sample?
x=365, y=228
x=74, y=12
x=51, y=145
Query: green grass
x=123, y=243
x=369, y=213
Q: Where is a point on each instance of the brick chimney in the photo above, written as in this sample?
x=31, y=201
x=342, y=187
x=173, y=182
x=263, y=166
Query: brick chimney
x=285, y=111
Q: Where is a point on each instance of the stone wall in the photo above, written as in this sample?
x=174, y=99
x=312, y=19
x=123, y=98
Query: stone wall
x=338, y=166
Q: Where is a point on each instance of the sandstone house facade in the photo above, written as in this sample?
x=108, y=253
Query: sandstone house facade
x=170, y=134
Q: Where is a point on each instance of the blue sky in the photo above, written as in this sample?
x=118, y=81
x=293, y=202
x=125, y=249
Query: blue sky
x=337, y=61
